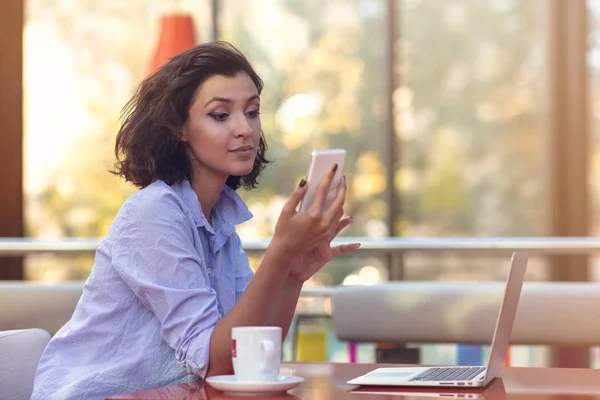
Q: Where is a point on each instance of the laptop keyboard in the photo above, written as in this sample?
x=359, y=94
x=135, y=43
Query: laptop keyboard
x=449, y=374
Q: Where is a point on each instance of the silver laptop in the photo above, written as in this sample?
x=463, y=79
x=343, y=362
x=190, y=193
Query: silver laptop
x=494, y=391
x=469, y=376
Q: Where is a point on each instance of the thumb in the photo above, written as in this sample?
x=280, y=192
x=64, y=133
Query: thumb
x=297, y=195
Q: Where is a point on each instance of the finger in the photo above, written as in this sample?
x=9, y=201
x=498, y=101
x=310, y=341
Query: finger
x=337, y=205
x=338, y=216
x=339, y=225
x=297, y=195
x=343, y=249
x=342, y=224
x=323, y=188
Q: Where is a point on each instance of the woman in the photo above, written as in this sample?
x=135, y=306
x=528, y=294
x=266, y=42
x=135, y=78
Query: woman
x=170, y=278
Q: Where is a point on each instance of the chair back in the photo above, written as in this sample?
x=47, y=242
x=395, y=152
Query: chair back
x=20, y=352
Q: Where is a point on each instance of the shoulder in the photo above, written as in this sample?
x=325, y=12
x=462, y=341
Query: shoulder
x=149, y=214
x=156, y=201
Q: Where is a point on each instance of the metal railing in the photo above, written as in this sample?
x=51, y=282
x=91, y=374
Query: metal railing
x=379, y=246
x=375, y=246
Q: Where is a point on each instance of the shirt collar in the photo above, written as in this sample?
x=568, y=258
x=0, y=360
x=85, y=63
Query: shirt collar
x=229, y=210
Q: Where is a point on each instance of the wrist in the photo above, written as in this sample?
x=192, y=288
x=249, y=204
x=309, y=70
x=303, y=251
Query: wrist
x=275, y=260
x=294, y=282
x=276, y=252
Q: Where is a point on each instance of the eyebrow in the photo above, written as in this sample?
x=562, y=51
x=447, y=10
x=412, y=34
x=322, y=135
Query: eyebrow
x=226, y=100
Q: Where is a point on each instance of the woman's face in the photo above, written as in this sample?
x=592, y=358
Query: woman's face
x=223, y=128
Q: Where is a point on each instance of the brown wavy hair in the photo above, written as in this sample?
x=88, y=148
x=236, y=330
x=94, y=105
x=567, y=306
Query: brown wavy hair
x=148, y=145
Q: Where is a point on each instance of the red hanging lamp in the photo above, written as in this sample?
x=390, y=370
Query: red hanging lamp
x=177, y=34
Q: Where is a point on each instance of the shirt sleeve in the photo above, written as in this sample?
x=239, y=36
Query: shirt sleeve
x=243, y=272
x=156, y=257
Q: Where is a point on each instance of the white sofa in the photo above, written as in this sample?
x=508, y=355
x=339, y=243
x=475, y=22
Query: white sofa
x=549, y=313
x=47, y=306
x=552, y=313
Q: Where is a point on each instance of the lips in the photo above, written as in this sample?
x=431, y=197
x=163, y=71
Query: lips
x=242, y=149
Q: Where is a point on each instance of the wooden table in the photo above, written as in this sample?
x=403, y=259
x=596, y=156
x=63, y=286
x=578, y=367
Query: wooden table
x=325, y=381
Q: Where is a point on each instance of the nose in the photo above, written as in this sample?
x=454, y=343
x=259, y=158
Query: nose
x=242, y=127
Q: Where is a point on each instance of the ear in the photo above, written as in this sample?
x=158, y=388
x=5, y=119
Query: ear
x=183, y=133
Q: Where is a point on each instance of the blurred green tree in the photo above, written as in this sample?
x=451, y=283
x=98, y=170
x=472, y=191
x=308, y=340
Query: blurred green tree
x=467, y=112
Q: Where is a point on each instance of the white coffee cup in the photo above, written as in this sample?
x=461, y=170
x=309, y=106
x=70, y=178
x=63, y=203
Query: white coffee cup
x=256, y=353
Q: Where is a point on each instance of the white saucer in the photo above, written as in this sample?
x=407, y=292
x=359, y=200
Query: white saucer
x=229, y=384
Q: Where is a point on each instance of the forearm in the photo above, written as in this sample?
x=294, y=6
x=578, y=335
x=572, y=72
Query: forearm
x=253, y=309
x=283, y=310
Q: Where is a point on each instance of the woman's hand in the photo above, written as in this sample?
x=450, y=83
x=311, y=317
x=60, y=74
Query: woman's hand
x=306, y=236
x=305, y=266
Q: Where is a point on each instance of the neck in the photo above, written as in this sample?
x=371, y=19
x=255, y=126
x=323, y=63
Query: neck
x=208, y=189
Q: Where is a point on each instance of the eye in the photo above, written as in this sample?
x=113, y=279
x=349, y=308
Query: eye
x=253, y=114
x=218, y=116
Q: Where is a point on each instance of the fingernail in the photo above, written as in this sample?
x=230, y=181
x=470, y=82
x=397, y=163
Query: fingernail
x=302, y=183
x=335, y=167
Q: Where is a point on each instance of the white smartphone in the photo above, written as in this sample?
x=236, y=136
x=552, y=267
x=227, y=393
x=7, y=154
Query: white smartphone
x=322, y=161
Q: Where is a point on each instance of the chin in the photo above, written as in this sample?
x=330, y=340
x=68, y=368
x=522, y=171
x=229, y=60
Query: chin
x=241, y=171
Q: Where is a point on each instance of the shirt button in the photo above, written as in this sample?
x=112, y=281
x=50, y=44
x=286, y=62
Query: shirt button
x=209, y=270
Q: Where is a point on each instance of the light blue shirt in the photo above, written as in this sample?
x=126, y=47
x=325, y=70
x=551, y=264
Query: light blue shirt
x=161, y=280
